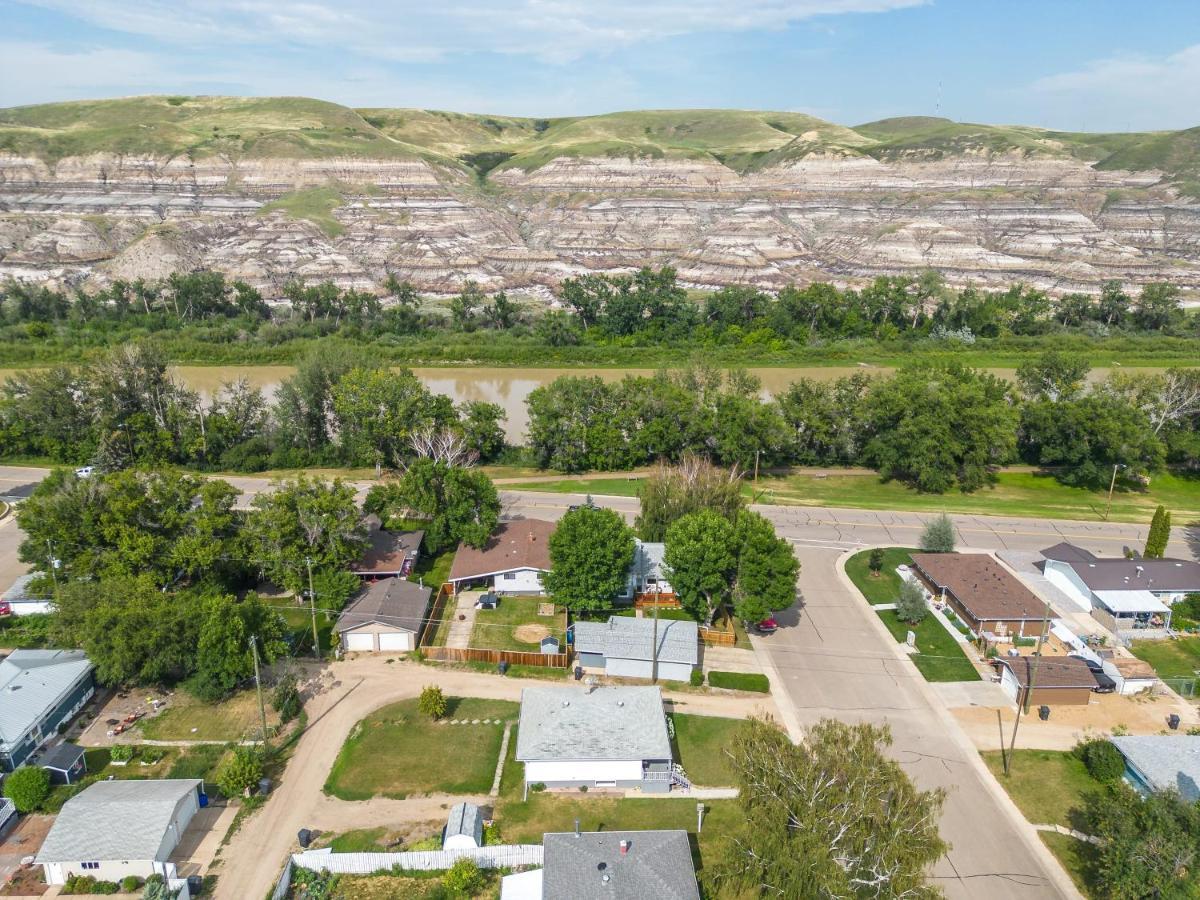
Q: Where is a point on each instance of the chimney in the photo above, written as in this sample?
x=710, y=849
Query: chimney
x=624, y=847
x=576, y=828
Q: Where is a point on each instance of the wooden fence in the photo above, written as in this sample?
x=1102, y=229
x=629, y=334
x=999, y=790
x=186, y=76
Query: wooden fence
x=662, y=601
x=512, y=657
x=434, y=619
x=497, y=857
x=714, y=637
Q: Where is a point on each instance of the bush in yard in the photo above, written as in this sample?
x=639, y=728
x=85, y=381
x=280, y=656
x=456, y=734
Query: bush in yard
x=464, y=877
x=875, y=561
x=285, y=699
x=121, y=752
x=938, y=536
x=910, y=605
x=241, y=771
x=130, y=883
x=1104, y=761
x=27, y=787
x=432, y=702
x=740, y=681
x=697, y=677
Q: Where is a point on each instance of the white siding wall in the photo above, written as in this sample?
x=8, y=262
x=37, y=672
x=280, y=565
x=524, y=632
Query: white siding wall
x=1008, y=681
x=459, y=842
x=583, y=770
x=110, y=870
x=184, y=810
x=521, y=581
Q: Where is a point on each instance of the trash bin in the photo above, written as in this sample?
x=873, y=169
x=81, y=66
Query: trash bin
x=304, y=836
x=1173, y=721
x=1043, y=713
x=578, y=672
x=264, y=786
x=195, y=884
x=503, y=667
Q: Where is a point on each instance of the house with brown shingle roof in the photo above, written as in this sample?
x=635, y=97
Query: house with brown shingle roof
x=1049, y=680
x=388, y=552
x=982, y=592
x=511, y=562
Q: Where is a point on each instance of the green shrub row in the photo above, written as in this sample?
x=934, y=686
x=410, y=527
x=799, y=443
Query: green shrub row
x=740, y=681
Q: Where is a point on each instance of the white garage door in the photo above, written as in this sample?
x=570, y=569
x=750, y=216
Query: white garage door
x=360, y=641
x=400, y=640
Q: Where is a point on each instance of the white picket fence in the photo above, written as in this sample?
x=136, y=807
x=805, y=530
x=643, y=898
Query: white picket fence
x=7, y=811
x=499, y=857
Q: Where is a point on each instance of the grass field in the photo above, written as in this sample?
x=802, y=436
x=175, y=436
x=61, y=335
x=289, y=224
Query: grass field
x=315, y=205
x=1179, y=658
x=699, y=748
x=299, y=622
x=1077, y=857
x=396, y=752
x=885, y=588
x=1046, y=785
x=189, y=719
x=497, y=629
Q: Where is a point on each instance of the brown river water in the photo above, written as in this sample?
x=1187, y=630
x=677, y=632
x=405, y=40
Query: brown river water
x=509, y=387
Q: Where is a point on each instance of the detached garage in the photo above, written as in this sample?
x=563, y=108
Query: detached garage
x=385, y=617
x=1056, y=680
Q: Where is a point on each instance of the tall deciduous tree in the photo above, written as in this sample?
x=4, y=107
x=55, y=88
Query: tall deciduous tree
x=305, y=519
x=223, y=654
x=459, y=504
x=832, y=816
x=702, y=559
x=765, y=579
x=695, y=484
x=1053, y=376
x=377, y=410
x=591, y=551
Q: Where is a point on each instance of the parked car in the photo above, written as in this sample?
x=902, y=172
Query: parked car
x=5, y=608
x=85, y=471
x=766, y=626
x=1104, y=684
x=487, y=601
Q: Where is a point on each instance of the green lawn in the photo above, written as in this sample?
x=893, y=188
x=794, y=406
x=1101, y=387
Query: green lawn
x=397, y=752
x=941, y=658
x=1046, y=785
x=299, y=622
x=1077, y=857
x=188, y=719
x=700, y=743
x=496, y=629
x=1178, y=658
x=198, y=762
x=885, y=588
x=610, y=487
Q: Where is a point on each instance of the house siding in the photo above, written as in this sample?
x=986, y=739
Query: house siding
x=603, y=774
x=520, y=581
x=47, y=727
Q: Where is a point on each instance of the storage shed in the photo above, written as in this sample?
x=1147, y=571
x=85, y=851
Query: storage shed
x=464, y=828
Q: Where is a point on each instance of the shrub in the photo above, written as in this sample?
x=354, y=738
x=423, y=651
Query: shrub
x=910, y=605
x=537, y=787
x=432, y=702
x=27, y=787
x=938, y=536
x=151, y=754
x=240, y=771
x=87, y=884
x=130, y=883
x=491, y=835
x=697, y=677
x=121, y=752
x=464, y=877
x=583, y=789
x=875, y=561
x=285, y=699
x=1103, y=761
x=740, y=681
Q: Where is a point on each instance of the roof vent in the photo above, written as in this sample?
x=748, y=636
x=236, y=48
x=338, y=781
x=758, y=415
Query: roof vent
x=604, y=878
x=620, y=703
x=566, y=703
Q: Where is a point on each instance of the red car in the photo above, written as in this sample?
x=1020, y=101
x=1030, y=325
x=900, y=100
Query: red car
x=766, y=626
x=5, y=608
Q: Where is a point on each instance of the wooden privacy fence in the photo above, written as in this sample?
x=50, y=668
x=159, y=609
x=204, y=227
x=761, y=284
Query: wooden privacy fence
x=499, y=857
x=430, y=625
x=662, y=601
x=714, y=637
x=512, y=657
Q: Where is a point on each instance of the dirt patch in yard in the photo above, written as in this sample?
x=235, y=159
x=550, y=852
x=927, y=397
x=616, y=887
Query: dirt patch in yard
x=531, y=634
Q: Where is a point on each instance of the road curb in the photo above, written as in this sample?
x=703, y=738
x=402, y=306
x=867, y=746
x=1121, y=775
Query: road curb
x=1059, y=879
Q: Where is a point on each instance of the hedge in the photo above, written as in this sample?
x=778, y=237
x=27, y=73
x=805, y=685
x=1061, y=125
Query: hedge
x=740, y=681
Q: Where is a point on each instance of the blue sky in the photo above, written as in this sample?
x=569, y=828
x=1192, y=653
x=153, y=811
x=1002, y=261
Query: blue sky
x=1071, y=64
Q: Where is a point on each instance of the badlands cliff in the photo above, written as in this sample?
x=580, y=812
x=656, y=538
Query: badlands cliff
x=440, y=199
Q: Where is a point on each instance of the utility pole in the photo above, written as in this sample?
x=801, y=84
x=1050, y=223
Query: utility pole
x=312, y=605
x=1033, y=667
x=756, y=452
x=654, y=642
x=262, y=710
x=1112, y=484
x=53, y=563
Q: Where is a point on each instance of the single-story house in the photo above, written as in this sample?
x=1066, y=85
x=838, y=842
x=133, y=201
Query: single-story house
x=1125, y=595
x=513, y=560
x=389, y=553
x=609, y=865
x=464, y=828
x=624, y=646
x=1162, y=762
x=609, y=737
x=648, y=574
x=112, y=829
x=386, y=616
x=984, y=594
x=40, y=691
x=19, y=599
x=1057, y=680
x=66, y=763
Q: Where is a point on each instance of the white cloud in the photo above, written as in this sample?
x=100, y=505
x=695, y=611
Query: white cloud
x=1120, y=92
x=420, y=30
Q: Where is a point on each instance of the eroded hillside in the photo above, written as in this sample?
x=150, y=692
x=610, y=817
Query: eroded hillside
x=270, y=189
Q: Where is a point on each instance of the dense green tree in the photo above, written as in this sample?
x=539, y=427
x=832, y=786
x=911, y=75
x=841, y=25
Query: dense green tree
x=591, y=551
x=376, y=412
x=765, y=579
x=465, y=308
x=938, y=535
x=875, y=561
x=695, y=484
x=304, y=520
x=480, y=424
x=831, y=816
x=1160, y=534
x=824, y=419
x=27, y=787
x=432, y=702
x=939, y=427
x=304, y=413
x=223, y=654
x=42, y=413
x=1053, y=376
x=911, y=607
x=573, y=425
x=1082, y=440
x=458, y=504
x=1103, y=760
x=241, y=771
x=557, y=328
x=701, y=560
x=1157, y=308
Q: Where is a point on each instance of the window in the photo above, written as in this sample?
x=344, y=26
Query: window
x=510, y=576
x=90, y=865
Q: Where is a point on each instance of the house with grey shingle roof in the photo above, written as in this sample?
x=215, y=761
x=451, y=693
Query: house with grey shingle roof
x=624, y=646
x=386, y=615
x=610, y=737
x=40, y=690
x=112, y=829
x=609, y=865
x=1162, y=762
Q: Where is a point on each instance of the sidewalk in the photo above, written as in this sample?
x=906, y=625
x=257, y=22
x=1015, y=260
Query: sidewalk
x=460, y=630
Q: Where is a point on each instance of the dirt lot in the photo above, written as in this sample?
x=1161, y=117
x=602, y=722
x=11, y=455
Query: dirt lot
x=24, y=840
x=1067, y=725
